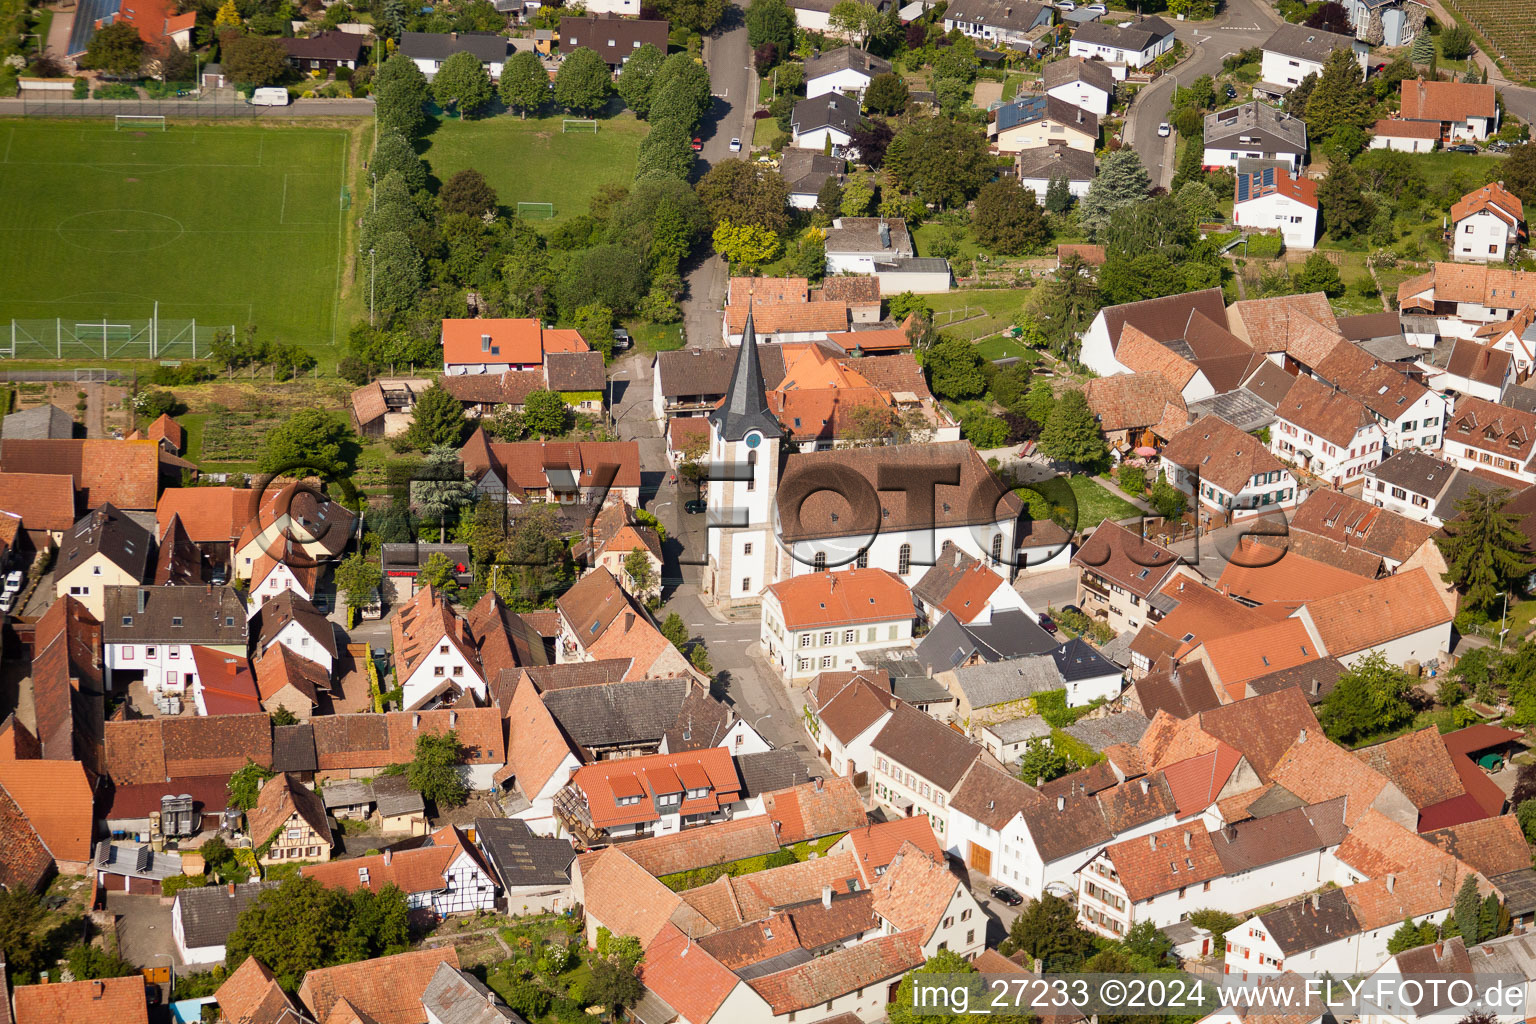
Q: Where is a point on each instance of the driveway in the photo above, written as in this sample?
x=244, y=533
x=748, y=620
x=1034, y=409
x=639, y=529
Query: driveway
x=144, y=935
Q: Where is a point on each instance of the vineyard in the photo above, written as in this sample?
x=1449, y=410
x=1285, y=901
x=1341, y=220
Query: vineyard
x=1507, y=26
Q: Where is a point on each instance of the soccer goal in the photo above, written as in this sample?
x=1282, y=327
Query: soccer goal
x=572, y=124
x=140, y=121
x=536, y=211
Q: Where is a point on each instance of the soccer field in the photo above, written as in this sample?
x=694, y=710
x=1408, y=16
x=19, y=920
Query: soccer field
x=225, y=224
x=533, y=161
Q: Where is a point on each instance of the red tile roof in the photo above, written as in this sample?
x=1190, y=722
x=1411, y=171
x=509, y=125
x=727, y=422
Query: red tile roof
x=1198, y=780
x=44, y=501
x=1239, y=657
x=57, y=799
x=251, y=995
x=1280, y=581
x=388, y=989
x=706, y=846
x=209, y=514
x=123, y=473
x=605, y=782
x=876, y=845
x=536, y=747
x=24, y=860
x=815, y=809
x=167, y=429
x=1491, y=198
x=1381, y=611
x=1446, y=101
x=421, y=870
x=108, y=1001
x=228, y=686
x=685, y=976
x=847, y=597
x=827, y=977
x=1221, y=453
x=522, y=465
x=1397, y=128
x=1319, y=409
x=1172, y=859
x=1121, y=555
x=516, y=341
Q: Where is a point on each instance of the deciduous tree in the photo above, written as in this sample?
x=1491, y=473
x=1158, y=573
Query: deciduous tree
x=116, y=49
x=358, y=578
x=393, y=152
x=746, y=193
x=399, y=90
x=1048, y=930
x=771, y=21
x=637, y=77
x=525, y=84
x=462, y=84
x=1006, y=219
x=745, y=246
x=467, y=192
x=1347, y=210
x=583, y=82
x=887, y=94
x=435, y=771
x=1071, y=434
x=313, y=440
x=301, y=925
x=940, y=161
x=1370, y=698
x=546, y=414
x=259, y=60
x=691, y=15
x=682, y=75
x=955, y=369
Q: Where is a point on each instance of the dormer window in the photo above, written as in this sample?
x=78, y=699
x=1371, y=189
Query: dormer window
x=176, y=621
x=697, y=794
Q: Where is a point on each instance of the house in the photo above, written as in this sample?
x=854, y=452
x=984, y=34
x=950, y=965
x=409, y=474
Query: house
x=104, y=549
x=925, y=275
x=965, y=588
x=1462, y=110
x=1118, y=572
x=856, y=245
x=115, y=1000
x=1516, y=337
x=252, y=994
x=1405, y=136
x=1032, y=122
x=532, y=871
x=615, y=536
x=860, y=294
x=1470, y=367
x=1135, y=44
x=1254, y=131
x=202, y=918
x=1296, y=933
x=388, y=989
x=325, y=51
x=1484, y=223
x=826, y=120
x=148, y=634
x=458, y=996
x=814, y=810
x=1386, y=22
x=1228, y=473
x=383, y=408
x=54, y=799
x=446, y=875
x=1088, y=84
x=295, y=524
x=67, y=695
x=157, y=22
x=566, y=472
x=1136, y=410
x=287, y=680
x=224, y=684
x=214, y=518
x=292, y=622
x=847, y=711
x=179, y=562
x=847, y=70
x=289, y=822
x=402, y=565
x=642, y=796
x=1292, y=52
x=611, y=38
x=1326, y=432
x=37, y=423
x=125, y=474
x=1167, y=321
x=998, y=22
x=1475, y=294
x=435, y=657
x=578, y=378
x=1041, y=165
x=1088, y=675
x=599, y=620
x=44, y=504
x=918, y=764
x=824, y=620
x=1350, y=523
x=1272, y=200
x=604, y=721
x=806, y=171
x=1416, y=484
x=991, y=692
x=787, y=323
x=271, y=577
x=133, y=868
x=815, y=15
x=499, y=345
x=1412, y=415
x=430, y=49
x=1402, y=616
x=1482, y=435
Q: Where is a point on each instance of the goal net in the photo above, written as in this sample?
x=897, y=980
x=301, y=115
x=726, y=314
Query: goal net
x=536, y=211
x=140, y=121
x=572, y=124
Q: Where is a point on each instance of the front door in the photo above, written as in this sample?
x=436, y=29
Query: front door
x=980, y=859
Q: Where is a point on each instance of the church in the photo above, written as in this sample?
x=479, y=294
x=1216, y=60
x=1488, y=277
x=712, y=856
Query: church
x=773, y=514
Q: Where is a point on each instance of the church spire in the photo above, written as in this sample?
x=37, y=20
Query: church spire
x=746, y=401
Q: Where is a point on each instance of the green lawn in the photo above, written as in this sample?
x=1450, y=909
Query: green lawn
x=657, y=337
x=1094, y=503
x=533, y=161
x=975, y=312
x=1001, y=347
x=227, y=224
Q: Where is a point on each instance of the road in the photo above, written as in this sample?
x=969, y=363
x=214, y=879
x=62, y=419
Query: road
x=1242, y=23
x=734, y=84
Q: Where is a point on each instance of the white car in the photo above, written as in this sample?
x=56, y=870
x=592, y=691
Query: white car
x=1098, y=8
x=8, y=601
x=1066, y=5
x=735, y=145
x=1164, y=130
x=13, y=582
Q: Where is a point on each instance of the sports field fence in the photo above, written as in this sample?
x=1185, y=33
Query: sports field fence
x=108, y=338
x=211, y=105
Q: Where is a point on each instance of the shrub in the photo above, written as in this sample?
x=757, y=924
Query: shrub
x=171, y=886
x=116, y=91
x=1132, y=479
x=82, y=88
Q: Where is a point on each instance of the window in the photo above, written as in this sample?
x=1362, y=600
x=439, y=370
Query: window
x=805, y=639
x=442, y=649
x=802, y=665
x=849, y=636
x=176, y=620
x=149, y=652
x=437, y=670
x=904, y=560
x=949, y=922
x=965, y=915
x=862, y=562
x=826, y=639
x=970, y=936
x=127, y=653
x=79, y=591
x=752, y=471
x=746, y=548
x=819, y=563
x=997, y=548
x=175, y=652
x=746, y=584
x=458, y=670
x=826, y=661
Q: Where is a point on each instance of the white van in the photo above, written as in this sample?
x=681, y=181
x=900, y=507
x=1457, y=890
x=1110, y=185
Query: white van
x=270, y=97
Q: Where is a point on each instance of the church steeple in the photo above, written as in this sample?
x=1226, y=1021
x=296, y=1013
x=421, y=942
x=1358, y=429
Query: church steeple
x=746, y=401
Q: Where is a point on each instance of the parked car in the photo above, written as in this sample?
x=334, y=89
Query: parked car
x=1098, y=8
x=1047, y=623
x=698, y=144
x=1074, y=609
x=1497, y=147
x=1231, y=91
x=696, y=507
x=1066, y=5
x=1465, y=147
x=13, y=582
x=1165, y=129
x=621, y=339
x=8, y=600
x=1006, y=895
x=735, y=145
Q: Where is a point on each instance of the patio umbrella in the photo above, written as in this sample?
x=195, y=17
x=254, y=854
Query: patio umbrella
x=1146, y=451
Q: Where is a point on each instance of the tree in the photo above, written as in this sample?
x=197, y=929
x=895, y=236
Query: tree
x=1198, y=201
x=666, y=151
x=957, y=62
x=940, y=161
x=468, y=192
x=872, y=139
x=1048, y=930
x=583, y=82
x=676, y=631
x=313, y=440
x=359, y=579
x=435, y=770
x=637, y=569
x=1331, y=17
x=439, y=489
x=1007, y=220
x=1347, y=142
x=903, y=1009
x=1492, y=920
x=1340, y=97
x=258, y=60
x=745, y=246
x=1071, y=434
x=1370, y=698
x=1058, y=195
x=857, y=199
x=1347, y=210
x=115, y=49
x=437, y=419
x=1456, y=42
x=546, y=414
x=854, y=19
x=536, y=565
x=691, y=15
x=615, y=981
x=228, y=16
x=1410, y=936
x=1121, y=182
x=1525, y=813
x=637, y=77
x=955, y=369
x=663, y=218
x=829, y=199
x=393, y=152
x=1318, y=274
x=680, y=74
x=771, y=21
x=301, y=925
x=245, y=785
x=22, y=930
x=1484, y=550
x=1466, y=911
x=399, y=90
x=1043, y=762
x=1145, y=939
x=395, y=272
x=745, y=193
x=525, y=84
x=613, y=275
x=462, y=84
x=1040, y=401
x=1168, y=500
x=887, y=94
x=1519, y=172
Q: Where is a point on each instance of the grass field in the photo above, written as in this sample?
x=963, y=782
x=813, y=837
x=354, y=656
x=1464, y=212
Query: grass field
x=1095, y=503
x=532, y=161
x=227, y=224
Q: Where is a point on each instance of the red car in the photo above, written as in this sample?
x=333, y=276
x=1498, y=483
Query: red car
x=698, y=145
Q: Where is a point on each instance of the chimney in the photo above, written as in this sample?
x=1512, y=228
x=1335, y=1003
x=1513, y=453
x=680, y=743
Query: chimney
x=826, y=897
x=453, y=36
x=1151, y=842
x=821, y=784
x=1391, y=882
x=1315, y=687
x=387, y=856
x=1143, y=785
x=231, y=889
x=1061, y=803
x=1302, y=738
x=453, y=719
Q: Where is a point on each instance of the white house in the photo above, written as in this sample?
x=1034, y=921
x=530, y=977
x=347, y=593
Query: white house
x=1040, y=166
x=148, y=633
x=823, y=620
x=1316, y=933
x=1326, y=432
x=430, y=49
x=448, y=876
x=846, y=70
x=1081, y=82
x=1467, y=366
x=828, y=118
x=1461, y=110
x=1136, y=43
x=919, y=762
x=1000, y=22
x=1031, y=122
x=1406, y=136
x=290, y=620
x=1254, y=131
x=1227, y=471
x=863, y=245
x=1272, y=200
x=1292, y=52
x=1412, y=415
x=104, y=549
x=1482, y=435
x=433, y=654
x=1413, y=484
x=847, y=716
x=1402, y=616
x=270, y=577
x=1485, y=223
x=202, y=918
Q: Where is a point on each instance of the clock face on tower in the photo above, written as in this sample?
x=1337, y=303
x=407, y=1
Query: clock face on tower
x=753, y=439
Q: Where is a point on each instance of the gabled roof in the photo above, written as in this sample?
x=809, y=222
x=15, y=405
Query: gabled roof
x=521, y=858
x=705, y=846
x=630, y=901
x=926, y=747
x=280, y=799
x=847, y=597
x=291, y=607
x=1303, y=326
x=1222, y=454
x=210, y=514
x=811, y=810
x=1356, y=523
x=845, y=58
x=190, y=615
x=1491, y=846
x=67, y=694
x=1446, y=101
x=1311, y=44
x=107, y=1001
x=419, y=627
x=57, y=800
x=855, y=706
x=1272, y=181
x=1132, y=400
x=252, y=995
x=457, y=997
x=44, y=501
x=40, y=422
x=178, y=563
x=125, y=473
x=388, y=989
x=1382, y=610
x=527, y=465
x=1255, y=119
x=1078, y=69
x=1314, y=921
x=209, y=913
x=1140, y=353
x=1030, y=109
x=1164, y=319
x=830, y=109
x=1164, y=861
x=603, y=784
x=109, y=533
x=855, y=967
x=876, y=845
x=1134, y=36
x=157, y=749
x=1326, y=412
x=1055, y=162
x=915, y=890
x=24, y=859
x=1122, y=556
x=1491, y=198
x=616, y=714
x=613, y=39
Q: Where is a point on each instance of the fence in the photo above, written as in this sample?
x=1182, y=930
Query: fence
x=108, y=338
